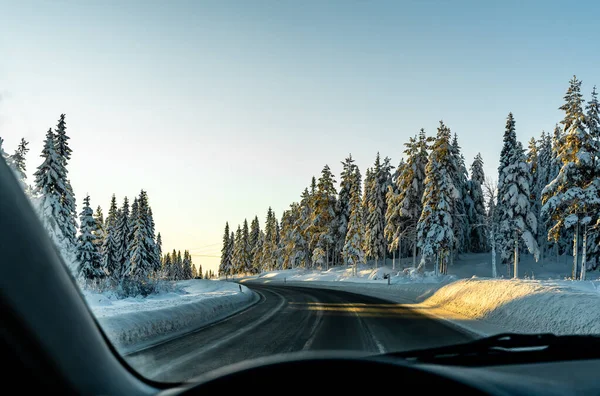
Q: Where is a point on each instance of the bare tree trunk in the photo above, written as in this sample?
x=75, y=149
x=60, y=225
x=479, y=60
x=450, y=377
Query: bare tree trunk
x=399, y=254
x=415, y=252
x=493, y=243
x=575, y=243
x=583, y=253
x=516, y=272
x=394, y=259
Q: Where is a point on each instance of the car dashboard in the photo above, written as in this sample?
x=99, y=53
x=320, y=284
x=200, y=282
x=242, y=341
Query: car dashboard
x=320, y=373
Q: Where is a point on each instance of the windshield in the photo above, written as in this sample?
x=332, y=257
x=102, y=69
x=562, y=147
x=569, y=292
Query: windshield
x=228, y=180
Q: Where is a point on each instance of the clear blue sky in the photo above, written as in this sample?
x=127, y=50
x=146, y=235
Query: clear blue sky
x=221, y=108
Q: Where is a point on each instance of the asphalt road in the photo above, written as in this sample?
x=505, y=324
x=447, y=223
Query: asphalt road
x=288, y=319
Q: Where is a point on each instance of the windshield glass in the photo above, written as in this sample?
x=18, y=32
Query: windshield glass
x=228, y=180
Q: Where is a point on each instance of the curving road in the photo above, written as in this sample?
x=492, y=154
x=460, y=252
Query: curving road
x=288, y=319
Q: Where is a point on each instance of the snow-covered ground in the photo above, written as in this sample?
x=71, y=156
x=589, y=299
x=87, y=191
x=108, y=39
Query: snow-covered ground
x=543, y=301
x=365, y=274
x=134, y=323
x=466, y=266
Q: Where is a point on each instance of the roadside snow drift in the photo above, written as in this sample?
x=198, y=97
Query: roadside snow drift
x=135, y=323
x=525, y=306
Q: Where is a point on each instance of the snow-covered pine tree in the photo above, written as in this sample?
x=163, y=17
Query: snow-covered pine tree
x=277, y=255
x=556, y=162
x=385, y=182
x=176, y=266
x=294, y=245
x=505, y=235
x=270, y=243
x=257, y=253
x=155, y=257
x=49, y=189
x=353, y=252
x=478, y=238
x=397, y=173
x=302, y=232
x=544, y=176
x=572, y=199
x=367, y=192
x=435, y=230
x=224, y=264
x=462, y=204
x=99, y=233
x=230, y=251
x=533, y=162
x=246, y=263
x=88, y=257
x=343, y=202
x=514, y=195
x=592, y=121
x=141, y=251
x=110, y=248
x=410, y=186
x=68, y=208
x=592, y=116
x=133, y=219
x=159, y=252
x=122, y=232
x=237, y=260
x=563, y=244
x=187, y=265
x=277, y=232
x=491, y=225
x=393, y=219
x=375, y=223
x=253, y=237
x=18, y=162
x=180, y=268
x=189, y=257
x=200, y=276
x=194, y=272
x=324, y=222
x=168, y=266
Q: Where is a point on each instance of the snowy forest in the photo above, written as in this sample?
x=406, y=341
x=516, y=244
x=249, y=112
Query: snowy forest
x=120, y=252
x=545, y=200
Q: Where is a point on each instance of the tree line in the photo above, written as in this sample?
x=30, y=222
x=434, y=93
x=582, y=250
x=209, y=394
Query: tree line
x=545, y=201
x=121, y=251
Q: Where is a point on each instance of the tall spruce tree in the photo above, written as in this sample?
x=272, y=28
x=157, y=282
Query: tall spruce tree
x=110, y=248
x=68, y=211
x=518, y=220
x=49, y=190
x=122, y=233
x=225, y=264
x=88, y=257
x=478, y=238
x=323, y=220
x=572, y=199
x=18, y=161
x=353, y=252
x=435, y=230
x=375, y=222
